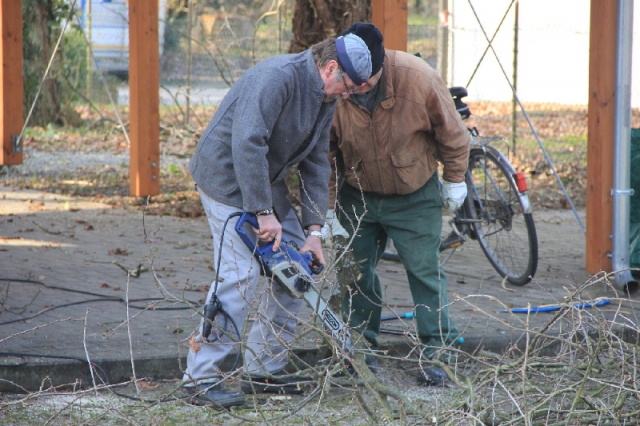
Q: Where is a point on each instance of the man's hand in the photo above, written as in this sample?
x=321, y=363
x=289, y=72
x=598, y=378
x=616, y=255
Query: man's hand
x=333, y=228
x=453, y=195
x=313, y=245
x=269, y=230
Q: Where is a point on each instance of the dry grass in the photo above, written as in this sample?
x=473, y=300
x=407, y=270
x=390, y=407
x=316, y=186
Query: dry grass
x=562, y=129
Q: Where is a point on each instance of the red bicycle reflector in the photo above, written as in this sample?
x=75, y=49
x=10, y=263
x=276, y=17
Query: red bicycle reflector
x=521, y=183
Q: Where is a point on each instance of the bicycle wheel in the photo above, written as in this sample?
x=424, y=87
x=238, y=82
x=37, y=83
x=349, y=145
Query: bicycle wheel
x=500, y=217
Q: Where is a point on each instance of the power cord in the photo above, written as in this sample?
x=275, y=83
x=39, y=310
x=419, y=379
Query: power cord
x=214, y=307
x=100, y=298
x=211, y=311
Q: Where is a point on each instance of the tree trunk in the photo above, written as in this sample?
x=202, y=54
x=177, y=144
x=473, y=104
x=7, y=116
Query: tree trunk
x=316, y=20
x=40, y=32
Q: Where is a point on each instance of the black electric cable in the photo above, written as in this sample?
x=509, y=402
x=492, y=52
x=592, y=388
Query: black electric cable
x=104, y=298
x=211, y=309
x=101, y=298
x=54, y=287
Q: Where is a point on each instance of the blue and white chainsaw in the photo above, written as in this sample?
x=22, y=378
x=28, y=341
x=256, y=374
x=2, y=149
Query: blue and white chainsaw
x=293, y=271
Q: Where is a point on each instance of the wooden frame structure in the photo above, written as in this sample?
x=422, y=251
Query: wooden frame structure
x=391, y=17
x=600, y=142
x=144, y=98
x=11, y=90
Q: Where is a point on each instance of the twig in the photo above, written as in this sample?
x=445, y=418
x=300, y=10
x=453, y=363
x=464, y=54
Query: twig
x=86, y=351
x=45, y=229
x=133, y=364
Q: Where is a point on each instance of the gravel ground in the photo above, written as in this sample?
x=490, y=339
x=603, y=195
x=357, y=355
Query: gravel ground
x=51, y=163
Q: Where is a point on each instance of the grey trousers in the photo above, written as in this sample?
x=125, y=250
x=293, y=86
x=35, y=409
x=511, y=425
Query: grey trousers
x=265, y=349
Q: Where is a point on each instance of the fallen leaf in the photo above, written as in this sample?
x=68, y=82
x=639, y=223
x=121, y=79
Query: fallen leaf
x=119, y=251
x=37, y=206
x=194, y=345
x=146, y=385
x=105, y=285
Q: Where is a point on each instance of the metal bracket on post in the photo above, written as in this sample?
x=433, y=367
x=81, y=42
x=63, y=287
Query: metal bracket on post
x=16, y=144
x=624, y=192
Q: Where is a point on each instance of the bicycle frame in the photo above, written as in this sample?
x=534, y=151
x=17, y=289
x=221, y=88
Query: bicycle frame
x=496, y=194
x=484, y=144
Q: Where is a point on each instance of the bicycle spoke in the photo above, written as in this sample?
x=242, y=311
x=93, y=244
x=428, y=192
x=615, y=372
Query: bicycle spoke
x=503, y=230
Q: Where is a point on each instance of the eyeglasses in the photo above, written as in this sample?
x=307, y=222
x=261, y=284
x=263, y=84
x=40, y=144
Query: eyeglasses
x=350, y=89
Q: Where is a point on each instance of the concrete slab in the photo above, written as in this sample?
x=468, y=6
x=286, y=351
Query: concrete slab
x=64, y=287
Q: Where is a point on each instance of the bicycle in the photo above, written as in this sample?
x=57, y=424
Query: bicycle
x=497, y=211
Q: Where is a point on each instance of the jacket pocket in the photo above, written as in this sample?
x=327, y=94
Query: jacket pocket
x=353, y=171
x=410, y=170
x=357, y=175
x=214, y=170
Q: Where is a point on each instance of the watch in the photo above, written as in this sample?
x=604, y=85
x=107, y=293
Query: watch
x=316, y=234
x=265, y=212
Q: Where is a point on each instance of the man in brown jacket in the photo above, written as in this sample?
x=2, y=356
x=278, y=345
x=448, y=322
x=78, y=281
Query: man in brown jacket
x=386, y=141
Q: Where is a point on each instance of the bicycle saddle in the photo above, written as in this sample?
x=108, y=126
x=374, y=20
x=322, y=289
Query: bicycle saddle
x=457, y=93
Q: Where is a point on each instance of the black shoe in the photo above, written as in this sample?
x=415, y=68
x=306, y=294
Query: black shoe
x=290, y=386
x=216, y=395
x=433, y=376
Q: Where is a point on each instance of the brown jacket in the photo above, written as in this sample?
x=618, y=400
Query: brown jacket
x=414, y=122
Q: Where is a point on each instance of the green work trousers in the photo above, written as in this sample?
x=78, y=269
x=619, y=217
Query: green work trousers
x=414, y=223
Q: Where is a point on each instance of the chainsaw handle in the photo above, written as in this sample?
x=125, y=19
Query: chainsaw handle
x=252, y=220
x=316, y=267
x=267, y=250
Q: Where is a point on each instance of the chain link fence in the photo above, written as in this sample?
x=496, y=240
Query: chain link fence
x=206, y=45
x=203, y=46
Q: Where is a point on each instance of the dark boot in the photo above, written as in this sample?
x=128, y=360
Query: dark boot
x=291, y=386
x=217, y=395
x=433, y=376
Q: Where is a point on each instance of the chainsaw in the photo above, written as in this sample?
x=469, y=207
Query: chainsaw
x=293, y=271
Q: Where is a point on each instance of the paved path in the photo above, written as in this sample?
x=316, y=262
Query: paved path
x=64, y=243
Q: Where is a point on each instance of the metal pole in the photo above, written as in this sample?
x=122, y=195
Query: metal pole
x=443, y=40
x=280, y=28
x=89, y=79
x=621, y=191
x=515, y=78
x=190, y=16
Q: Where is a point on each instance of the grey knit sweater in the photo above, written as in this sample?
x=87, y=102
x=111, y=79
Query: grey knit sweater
x=273, y=118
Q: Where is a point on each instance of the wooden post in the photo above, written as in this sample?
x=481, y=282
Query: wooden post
x=390, y=16
x=144, y=86
x=600, y=146
x=11, y=99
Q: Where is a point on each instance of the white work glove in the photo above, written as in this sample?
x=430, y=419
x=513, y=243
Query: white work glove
x=453, y=195
x=332, y=227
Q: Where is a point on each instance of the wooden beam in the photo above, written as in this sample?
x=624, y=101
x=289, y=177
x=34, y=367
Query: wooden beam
x=144, y=86
x=11, y=99
x=390, y=16
x=600, y=146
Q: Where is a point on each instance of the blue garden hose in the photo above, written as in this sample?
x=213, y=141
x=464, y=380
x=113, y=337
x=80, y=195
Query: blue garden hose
x=411, y=315
x=406, y=315
x=552, y=308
